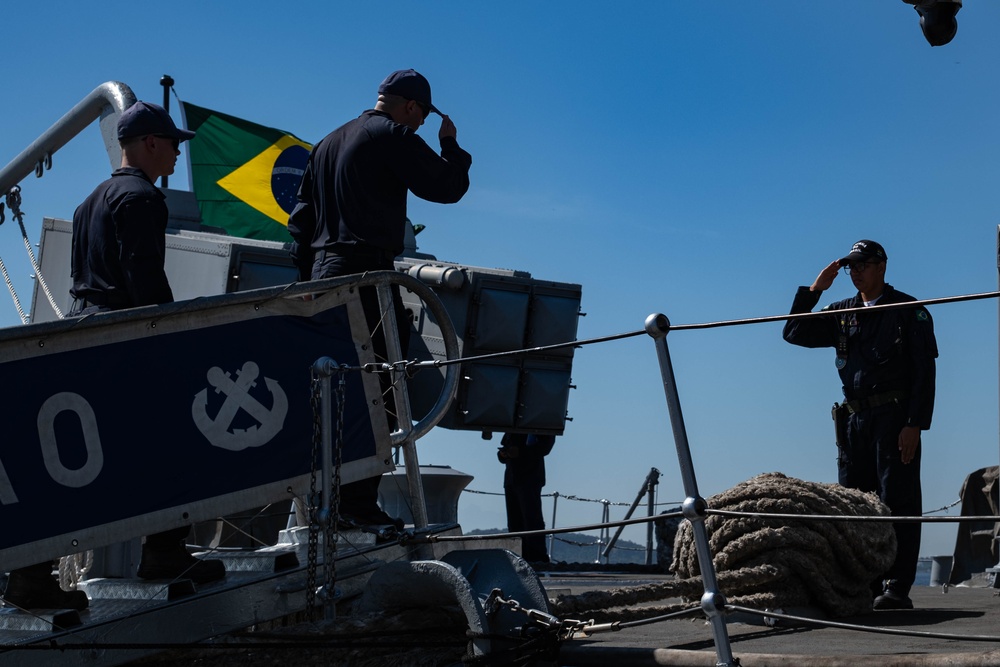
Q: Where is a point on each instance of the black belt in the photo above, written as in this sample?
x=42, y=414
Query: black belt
x=872, y=402
x=92, y=301
x=358, y=251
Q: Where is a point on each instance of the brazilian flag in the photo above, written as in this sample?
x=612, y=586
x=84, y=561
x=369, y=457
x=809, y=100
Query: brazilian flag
x=244, y=175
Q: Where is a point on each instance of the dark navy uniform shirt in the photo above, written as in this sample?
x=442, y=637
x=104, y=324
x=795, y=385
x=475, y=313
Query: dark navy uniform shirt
x=119, y=243
x=887, y=350
x=353, y=192
x=524, y=456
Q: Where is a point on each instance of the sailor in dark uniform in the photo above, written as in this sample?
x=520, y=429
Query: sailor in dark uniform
x=523, y=479
x=351, y=218
x=886, y=364
x=117, y=262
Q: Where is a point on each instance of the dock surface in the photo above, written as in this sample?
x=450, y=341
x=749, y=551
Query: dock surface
x=972, y=615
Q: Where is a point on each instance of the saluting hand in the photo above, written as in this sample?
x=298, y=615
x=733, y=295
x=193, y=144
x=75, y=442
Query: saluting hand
x=826, y=277
x=448, y=128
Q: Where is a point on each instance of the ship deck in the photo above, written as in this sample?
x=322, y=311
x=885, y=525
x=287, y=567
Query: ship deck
x=972, y=613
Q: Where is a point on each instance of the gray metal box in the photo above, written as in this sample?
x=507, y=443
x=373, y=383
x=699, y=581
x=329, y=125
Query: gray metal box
x=493, y=311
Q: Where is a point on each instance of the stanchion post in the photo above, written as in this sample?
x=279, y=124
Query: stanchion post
x=325, y=368
x=712, y=601
x=652, y=480
x=552, y=537
x=404, y=422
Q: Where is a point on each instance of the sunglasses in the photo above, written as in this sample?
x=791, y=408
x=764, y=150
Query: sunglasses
x=175, y=142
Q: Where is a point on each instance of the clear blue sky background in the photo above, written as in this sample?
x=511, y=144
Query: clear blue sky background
x=699, y=159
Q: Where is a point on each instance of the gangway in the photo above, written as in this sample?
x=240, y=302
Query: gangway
x=122, y=424
x=110, y=487
x=130, y=619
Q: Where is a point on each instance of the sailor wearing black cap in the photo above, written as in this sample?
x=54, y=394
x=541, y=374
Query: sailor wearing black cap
x=351, y=214
x=885, y=359
x=118, y=231
x=119, y=246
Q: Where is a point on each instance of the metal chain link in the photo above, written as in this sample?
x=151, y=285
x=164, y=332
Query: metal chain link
x=311, y=504
x=333, y=525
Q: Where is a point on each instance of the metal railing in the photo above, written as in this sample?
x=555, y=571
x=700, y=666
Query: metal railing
x=407, y=432
x=106, y=102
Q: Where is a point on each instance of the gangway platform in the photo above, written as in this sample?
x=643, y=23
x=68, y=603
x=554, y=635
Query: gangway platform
x=130, y=618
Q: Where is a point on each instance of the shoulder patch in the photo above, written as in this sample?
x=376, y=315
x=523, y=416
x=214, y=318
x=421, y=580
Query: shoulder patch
x=922, y=315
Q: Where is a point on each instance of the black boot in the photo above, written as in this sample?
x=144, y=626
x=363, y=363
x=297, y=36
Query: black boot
x=164, y=556
x=359, y=504
x=34, y=587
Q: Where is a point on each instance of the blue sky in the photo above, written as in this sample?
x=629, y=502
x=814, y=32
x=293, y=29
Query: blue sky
x=695, y=159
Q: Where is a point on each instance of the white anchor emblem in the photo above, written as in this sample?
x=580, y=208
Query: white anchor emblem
x=217, y=430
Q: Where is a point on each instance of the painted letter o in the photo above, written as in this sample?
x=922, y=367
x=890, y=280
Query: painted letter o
x=78, y=405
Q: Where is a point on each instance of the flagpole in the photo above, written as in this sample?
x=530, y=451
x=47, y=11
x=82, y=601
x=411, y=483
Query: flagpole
x=166, y=81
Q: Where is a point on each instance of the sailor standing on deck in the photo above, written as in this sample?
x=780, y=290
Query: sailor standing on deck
x=351, y=215
x=118, y=231
x=523, y=457
x=117, y=262
x=886, y=364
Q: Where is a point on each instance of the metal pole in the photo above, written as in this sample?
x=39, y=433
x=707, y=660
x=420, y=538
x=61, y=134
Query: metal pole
x=602, y=538
x=325, y=367
x=418, y=504
x=166, y=81
x=653, y=480
x=106, y=102
x=712, y=601
x=996, y=568
x=628, y=515
x=552, y=537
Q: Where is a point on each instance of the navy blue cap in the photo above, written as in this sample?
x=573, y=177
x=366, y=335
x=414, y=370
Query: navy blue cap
x=143, y=118
x=408, y=84
x=864, y=250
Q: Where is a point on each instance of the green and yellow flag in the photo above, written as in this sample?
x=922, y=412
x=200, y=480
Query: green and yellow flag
x=244, y=175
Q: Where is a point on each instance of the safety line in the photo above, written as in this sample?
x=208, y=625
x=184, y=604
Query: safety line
x=827, y=313
x=426, y=539
x=857, y=518
x=862, y=628
x=657, y=619
x=438, y=363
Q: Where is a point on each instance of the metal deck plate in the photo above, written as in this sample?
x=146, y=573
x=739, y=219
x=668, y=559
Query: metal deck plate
x=263, y=560
x=137, y=589
x=40, y=620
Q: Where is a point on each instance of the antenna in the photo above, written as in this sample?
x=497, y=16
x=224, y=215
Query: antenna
x=166, y=81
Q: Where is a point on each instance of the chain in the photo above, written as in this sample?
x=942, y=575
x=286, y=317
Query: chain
x=333, y=525
x=311, y=509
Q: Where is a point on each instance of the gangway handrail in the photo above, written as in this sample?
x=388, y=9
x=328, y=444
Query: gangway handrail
x=106, y=102
x=45, y=330
x=406, y=434
x=54, y=337
x=442, y=319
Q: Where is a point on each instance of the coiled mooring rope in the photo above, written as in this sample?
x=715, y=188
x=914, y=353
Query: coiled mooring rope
x=824, y=564
x=766, y=564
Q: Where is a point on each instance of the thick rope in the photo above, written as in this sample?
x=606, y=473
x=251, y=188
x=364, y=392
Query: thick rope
x=72, y=569
x=13, y=293
x=828, y=565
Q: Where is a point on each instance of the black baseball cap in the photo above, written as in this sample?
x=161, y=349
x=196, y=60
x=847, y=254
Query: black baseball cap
x=864, y=251
x=143, y=118
x=408, y=84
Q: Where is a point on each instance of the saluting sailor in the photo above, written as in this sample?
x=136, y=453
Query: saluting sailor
x=885, y=359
